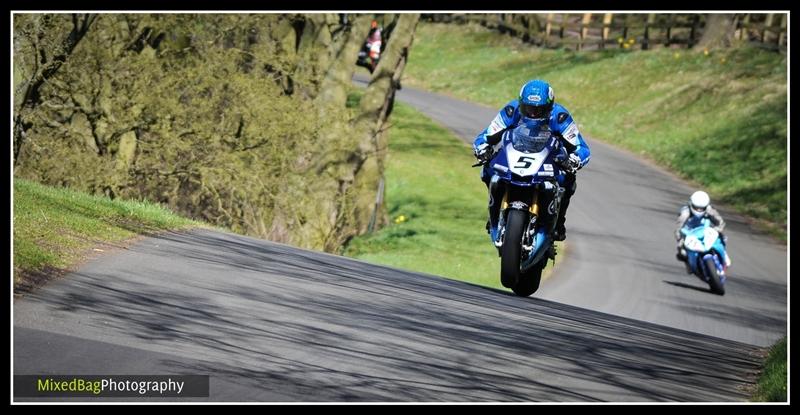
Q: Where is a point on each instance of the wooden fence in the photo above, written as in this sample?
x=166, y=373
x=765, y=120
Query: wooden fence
x=608, y=30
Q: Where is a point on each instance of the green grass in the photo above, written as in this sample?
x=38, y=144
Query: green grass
x=429, y=182
x=55, y=228
x=771, y=385
x=717, y=119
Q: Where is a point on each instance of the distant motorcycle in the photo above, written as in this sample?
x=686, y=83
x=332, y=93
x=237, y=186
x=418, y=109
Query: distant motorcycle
x=527, y=166
x=370, y=52
x=705, y=254
x=364, y=59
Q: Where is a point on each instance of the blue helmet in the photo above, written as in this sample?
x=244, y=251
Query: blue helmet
x=536, y=99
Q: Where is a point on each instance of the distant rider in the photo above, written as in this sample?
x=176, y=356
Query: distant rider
x=698, y=208
x=536, y=103
x=373, y=45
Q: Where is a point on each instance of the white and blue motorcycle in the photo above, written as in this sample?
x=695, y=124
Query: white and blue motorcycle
x=705, y=253
x=526, y=176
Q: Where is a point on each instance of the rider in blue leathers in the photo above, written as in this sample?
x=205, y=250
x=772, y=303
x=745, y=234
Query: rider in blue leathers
x=535, y=104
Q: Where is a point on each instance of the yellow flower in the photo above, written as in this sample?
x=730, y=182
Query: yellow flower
x=626, y=45
x=677, y=55
x=620, y=40
x=705, y=52
x=400, y=219
x=631, y=41
x=722, y=60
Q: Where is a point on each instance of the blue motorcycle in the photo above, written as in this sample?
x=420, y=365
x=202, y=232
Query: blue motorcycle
x=527, y=170
x=705, y=253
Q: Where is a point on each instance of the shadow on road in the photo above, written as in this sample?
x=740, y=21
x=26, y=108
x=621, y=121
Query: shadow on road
x=691, y=287
x=316, y=327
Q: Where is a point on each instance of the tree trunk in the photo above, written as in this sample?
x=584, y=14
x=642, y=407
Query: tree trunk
x=718, y=32
x=375, y=107
x=333, y=89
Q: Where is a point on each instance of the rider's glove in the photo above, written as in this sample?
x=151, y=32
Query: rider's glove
x=573, y=163
x=482, y=151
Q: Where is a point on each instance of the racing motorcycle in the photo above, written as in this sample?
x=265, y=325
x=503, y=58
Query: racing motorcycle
x=526, y=166
x=705, y=253
x=365, y=60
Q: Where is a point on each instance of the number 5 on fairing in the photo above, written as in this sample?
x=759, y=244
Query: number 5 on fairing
x=525, y=161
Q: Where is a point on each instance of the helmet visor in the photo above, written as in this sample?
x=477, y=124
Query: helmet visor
x=534, y=111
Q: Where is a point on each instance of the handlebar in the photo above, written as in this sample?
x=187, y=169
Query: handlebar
x=562, y=155
x=487, y=157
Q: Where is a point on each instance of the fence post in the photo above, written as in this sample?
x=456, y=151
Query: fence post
x=782, y=36
x=695, y=23
x=741, y=26
x=669, y=31
x=646, y=41
x=606, y=28
x=547, y=27
x=625, y=23
x=767, y=26
x=587, y=18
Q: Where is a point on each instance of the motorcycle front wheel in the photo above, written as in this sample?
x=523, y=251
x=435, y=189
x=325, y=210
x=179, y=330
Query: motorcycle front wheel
x=713, y=278
x=529, y=280
x=512, y=248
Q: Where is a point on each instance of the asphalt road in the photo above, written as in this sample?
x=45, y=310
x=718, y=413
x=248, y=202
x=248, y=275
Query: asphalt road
x=269, y=322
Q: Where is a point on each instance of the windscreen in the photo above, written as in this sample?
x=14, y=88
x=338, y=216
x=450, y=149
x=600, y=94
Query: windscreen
x=530, y=138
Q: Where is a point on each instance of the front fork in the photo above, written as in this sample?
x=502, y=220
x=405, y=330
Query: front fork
x=533, y=209
x=719, y=263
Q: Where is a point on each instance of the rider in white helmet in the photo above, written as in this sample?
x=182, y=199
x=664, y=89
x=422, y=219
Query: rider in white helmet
x=699, y=207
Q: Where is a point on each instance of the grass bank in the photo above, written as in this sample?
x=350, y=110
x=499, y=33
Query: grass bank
x=771, y=386
x=56, y=228
x=436, y=203
x=718, y=119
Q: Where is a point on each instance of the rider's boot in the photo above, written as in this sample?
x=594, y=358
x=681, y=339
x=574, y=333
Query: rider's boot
x=494, y=208
x=560, y=232
x=551, y=252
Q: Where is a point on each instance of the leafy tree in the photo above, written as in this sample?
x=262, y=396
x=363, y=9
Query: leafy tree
x=240, y=120
x=43, y=43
